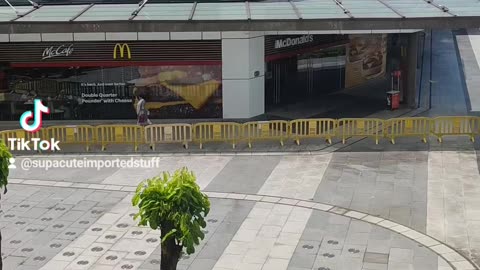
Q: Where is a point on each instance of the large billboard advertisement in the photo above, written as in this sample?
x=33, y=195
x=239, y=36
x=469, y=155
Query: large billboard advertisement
x=181, y=91
x=110, y=93
x=366, y=58
x=80, y=83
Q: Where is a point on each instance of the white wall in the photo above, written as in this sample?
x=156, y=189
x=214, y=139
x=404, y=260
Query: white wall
x=243, y=92
x=257, y=96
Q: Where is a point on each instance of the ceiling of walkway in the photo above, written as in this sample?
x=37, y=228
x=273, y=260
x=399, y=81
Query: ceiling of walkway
x=263, y=15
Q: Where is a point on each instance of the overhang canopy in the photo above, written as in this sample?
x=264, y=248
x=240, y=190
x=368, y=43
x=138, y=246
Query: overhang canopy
x=244, y=16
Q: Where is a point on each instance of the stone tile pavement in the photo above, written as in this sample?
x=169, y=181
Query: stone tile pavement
x=454, y=200
x=243, y=232
x=38, y=222
x=397, y=186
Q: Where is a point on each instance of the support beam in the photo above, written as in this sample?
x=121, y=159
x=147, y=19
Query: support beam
x=412, y=56
x=392, y=8
x=441, y=7
x=192, y=12
x=26, y=13
x=35, y=5
x=445, y=22
x=297, y=12
x=81, y=12
x=345, y=10
x=247, y=9
x=12, y=7
x=136, y=11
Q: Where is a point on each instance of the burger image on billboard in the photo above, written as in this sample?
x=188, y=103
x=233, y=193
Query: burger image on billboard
x=372, y=64
x=357, y=50
x=173, y=91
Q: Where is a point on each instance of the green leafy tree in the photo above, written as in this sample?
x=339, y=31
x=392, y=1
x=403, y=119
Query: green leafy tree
x=175, y=205
x=5, y=155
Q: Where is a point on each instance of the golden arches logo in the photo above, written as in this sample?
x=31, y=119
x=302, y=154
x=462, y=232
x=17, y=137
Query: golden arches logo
x=122, y=48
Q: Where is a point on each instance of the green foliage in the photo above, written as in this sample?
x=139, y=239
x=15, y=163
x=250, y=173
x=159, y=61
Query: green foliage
x=5, y=155
x=175, y=205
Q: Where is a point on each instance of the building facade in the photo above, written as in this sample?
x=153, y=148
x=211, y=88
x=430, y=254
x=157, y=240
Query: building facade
x=221, y=60
x=206, y=75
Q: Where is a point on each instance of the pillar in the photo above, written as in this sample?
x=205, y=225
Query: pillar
x=412, y=70
x=243, y=74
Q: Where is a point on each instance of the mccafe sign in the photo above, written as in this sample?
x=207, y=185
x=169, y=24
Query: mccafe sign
x=57, y=51
x=288, y=42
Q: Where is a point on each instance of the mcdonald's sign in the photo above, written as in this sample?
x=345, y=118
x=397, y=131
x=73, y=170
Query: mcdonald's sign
x=122, y=48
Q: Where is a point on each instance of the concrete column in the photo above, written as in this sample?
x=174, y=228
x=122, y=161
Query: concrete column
x=412, y=52
x=243, y=74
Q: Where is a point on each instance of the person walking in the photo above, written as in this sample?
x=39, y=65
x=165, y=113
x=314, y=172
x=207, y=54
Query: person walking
x=142, y=112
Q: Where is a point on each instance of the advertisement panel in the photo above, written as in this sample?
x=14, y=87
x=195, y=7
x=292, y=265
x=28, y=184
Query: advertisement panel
x=78, y=82
x=366, y=58
x=110, y=93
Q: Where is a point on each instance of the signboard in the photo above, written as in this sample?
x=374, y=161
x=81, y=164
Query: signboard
x=101, y=80
x=122, y=48
x=288, y=42
x=93, y=53
x=56, y=51
x=366, y=58
x=280, y=47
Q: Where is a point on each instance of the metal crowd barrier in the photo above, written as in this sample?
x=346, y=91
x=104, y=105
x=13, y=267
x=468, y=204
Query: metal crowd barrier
x=405, y=127
x=455, y=125
x=360, y=127
x=175, y=133
x=313, y=128
x=20, y=134
x=72, y=134
x=217, y=132
x=265, y=130
x=251, y=132
x=124, y=134
x=4, y=135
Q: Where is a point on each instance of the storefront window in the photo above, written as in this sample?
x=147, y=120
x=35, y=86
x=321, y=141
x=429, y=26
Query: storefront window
x=189, y=91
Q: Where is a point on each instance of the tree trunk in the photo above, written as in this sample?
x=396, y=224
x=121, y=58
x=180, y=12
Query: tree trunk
x=170, y=255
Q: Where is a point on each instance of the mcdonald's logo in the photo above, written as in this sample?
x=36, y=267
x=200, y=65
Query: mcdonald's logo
x=122, y=48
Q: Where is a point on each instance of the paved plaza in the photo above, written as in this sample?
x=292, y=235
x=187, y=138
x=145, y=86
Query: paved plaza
x=363, y=206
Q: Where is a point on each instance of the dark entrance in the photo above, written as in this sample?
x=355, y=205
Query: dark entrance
x=306, y=76
x=281, y=82
x=326, y=75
